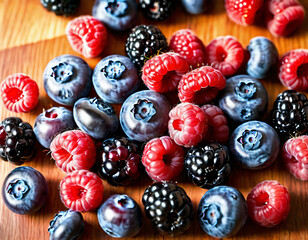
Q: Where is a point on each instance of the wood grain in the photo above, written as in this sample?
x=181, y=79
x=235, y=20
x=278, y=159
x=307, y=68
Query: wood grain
x=31, y=37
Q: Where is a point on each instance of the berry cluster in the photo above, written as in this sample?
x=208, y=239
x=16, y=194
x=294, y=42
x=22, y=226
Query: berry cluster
x=182, y=137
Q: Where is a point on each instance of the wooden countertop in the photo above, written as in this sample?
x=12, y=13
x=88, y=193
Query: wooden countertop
x=31, y=37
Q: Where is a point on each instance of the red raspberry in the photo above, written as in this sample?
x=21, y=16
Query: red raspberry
x=295, y=156
x=81, y=191
x=186, y=43
x=163, y=72
x=87, y=36
x=293, y=70
x=73, y=150
x=268, y=203
x=19, y=93
x=187, y=125
x=225, y=54
x=163, y=159
x=283, y=17
x=243, y=12
x=218, y=129
x=201, y=85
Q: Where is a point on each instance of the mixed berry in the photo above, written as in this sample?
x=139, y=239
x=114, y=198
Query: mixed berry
x=217, y=91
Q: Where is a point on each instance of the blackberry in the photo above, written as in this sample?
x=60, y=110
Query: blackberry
x=168, y=207
x=143, y=42
x=157, y=9
x=290, y=114
x=208, y=165
x=17, y=140
x=61, y=7
x=118, y=161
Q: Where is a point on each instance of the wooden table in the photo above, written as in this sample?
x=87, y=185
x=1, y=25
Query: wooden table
x=31, y=37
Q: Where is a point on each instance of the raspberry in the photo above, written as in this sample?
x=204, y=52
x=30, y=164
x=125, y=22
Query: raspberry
x=187, y=125
x=218, y=129
x=201, y=85
x=81, y=191
x=163, y=159
x=293, y=70
x=243, y=12
x=87, y=36
x=225, y=54
x=163, y=72
x=19, y=93
x=283, y=17
x=295, y=156
x=268, y=203
x=187, y=44
x=73, y=150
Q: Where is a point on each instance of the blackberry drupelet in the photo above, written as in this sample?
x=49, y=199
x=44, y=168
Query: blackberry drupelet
x=17, y=140
x=118, y=161
x=61, y=7
x=168, y=207
x=208, y=165
x=290, y=114
x=157, y=9
x=143, y=42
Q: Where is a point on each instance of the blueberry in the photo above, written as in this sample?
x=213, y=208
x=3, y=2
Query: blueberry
x=67, y=78
x=144, y=115
x=24, y=190
x=196, y=6
x=120, y=216
x=66, y=225
x=116, y=14
x=243, y=99
x=115, y=78
x=263, y=57
x=95, y=117
x=222, y=211
x=51, y=122
x=254, y=145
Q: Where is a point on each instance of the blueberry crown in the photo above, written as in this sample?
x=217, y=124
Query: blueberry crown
x=113, y=70
x=245, y=90
x=143, y=110
x=63, y=72
x=56, y=219
x=250, y=139
x=103, y=106
x=117, y=8
x=18, y=189
x=211, y=214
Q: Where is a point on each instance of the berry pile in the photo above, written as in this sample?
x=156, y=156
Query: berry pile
x=217, y=90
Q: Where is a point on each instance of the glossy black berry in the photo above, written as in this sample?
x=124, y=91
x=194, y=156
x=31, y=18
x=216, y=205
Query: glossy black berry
x=61, y=7
x=290, y=114
x=168, y=207
x=157, y=9
x=17, y=140
x=118, y=161
x=208, y=165
x=143, y=42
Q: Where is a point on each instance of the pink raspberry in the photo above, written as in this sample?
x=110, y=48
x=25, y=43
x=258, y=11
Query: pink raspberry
x=225, y=54
x=243, y=12
x=87, y=36
x=293, y=70
x=19, y=93
x=73, y=150
x=283, y=17
x=187, y=125
x=218, y=129
x=201, y=85
x=163, y=72
x=163, y=159
x=268, y=203
x=295, y=156
x=81, y=191
x=188, y=45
